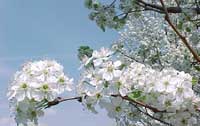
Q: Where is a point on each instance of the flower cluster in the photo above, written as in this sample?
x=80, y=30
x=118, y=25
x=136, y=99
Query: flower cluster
x=149, y=39
x=169, y=91
x=97, y=77
x=34, y=86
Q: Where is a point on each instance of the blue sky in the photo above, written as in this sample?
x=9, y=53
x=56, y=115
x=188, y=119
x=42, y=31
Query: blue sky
x=38, y=29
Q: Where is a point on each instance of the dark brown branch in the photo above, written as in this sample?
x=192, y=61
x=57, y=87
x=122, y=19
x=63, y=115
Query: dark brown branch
x=160, y=9
x=146, y=8
x=131, y=58
x=147, y=114
x=169, y=9
x=112, y=4
x=184, y=40
x=79, y=98
x=59, y=100
x=139, y=103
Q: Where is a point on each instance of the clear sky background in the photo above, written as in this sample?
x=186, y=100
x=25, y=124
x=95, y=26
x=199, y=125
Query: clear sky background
x=38, y=29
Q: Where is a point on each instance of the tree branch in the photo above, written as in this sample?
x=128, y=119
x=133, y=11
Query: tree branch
x=184, y=40
x=79, y=98
x=177, y=9
x=60, y=100
x=149, y=115
x=124, y=54
x=177, y=3
x=139, y=103
x=110, y=5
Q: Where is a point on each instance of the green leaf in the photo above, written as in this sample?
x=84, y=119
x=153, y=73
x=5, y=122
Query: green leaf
x=84, y=51
x=135, y=94
x=194, y=81
x=102, y=27
x=120, y=23
x=142, y=98
x=122, y=66
x=188, y=29
x=115, y=18
x=88, y=4
x=92, y=15
x=180, y=25
x=106, y=84
x=197, y=68
x=96, y=6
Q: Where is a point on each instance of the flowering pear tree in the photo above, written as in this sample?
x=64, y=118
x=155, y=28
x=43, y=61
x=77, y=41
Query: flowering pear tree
x=148, y=77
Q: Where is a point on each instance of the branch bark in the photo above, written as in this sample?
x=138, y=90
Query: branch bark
x=131, y=101
x=184, y=40
x=60, y=100
x=177, y=9
x=139, y=103
x=149, y=115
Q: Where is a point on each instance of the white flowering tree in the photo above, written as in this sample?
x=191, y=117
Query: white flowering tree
x=149, y=76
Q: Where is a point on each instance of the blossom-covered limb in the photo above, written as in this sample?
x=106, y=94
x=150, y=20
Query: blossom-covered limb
x=184, y=40
x=139, y=103
x=149, y=115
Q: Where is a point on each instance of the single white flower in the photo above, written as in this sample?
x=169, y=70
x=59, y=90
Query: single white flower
x=20, y=90
x=100, y=56
x=110, y=70
x=115, y=107
x=64, y=83
x=166, y=84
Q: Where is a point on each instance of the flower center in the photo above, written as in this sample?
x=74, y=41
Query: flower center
x=119, y=84
x=110, y=69
x=45, y=72
x=118, y=109
x=24, y=86
x=180, y=90
x=168, y=103
x=45, y=87
x=33, y=114
x=98, y=95
x=184, y=121
x=61, y=80
x=166, y=83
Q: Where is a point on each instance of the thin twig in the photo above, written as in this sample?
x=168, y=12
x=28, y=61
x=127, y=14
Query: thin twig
x=79, y=98
x=147, y=114
x=122, y=53
x=177, y=3
x=59, y=100
x=110, y=4
x=139, y=103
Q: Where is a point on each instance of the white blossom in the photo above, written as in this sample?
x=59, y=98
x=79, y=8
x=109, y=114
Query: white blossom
x=110, y=70
x=36, y=84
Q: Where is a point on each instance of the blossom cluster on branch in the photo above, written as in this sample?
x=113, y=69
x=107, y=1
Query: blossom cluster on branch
x=131, y=92
x=148, y=77
x=169, y=91
x=31, y=89
x=149, y=40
